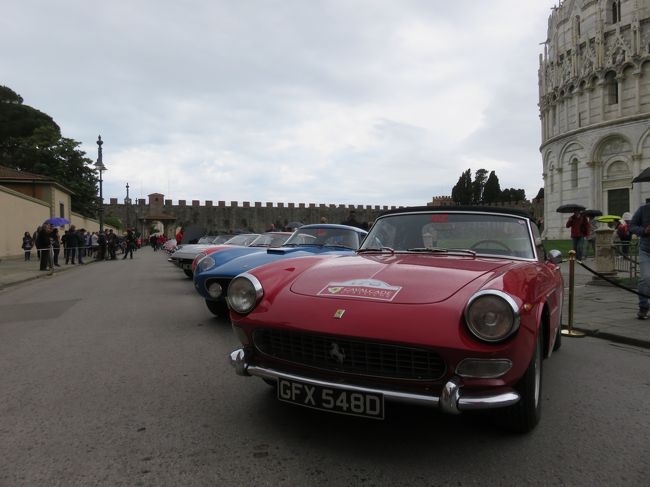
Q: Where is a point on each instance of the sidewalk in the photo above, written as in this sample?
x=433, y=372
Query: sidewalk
x=14, y=270
x=603, y=311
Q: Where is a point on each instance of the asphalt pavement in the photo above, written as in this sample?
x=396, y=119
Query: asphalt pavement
x=600, y=309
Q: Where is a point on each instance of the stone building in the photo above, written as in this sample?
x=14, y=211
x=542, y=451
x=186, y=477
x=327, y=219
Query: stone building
x=594, y=101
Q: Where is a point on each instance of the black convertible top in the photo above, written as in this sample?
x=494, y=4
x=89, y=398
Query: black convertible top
x=484, y=209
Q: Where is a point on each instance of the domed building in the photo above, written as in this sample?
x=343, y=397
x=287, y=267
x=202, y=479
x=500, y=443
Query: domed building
x=594, y=101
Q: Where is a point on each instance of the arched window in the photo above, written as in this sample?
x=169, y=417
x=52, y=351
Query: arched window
x=577, y=24
x=574, y=173
x=611, y=88
x=613, y=12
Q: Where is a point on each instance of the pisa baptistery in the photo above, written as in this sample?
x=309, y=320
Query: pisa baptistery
x=594, y=102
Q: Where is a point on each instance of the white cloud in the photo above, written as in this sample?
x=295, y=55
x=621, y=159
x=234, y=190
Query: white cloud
x=355, y=101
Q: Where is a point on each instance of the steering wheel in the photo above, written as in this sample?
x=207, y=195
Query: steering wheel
x=497, y=242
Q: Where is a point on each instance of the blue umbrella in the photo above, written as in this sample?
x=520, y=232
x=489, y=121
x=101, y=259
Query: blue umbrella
x=57, y=221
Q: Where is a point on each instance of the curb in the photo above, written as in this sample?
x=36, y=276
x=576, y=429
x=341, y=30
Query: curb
x=613, y=337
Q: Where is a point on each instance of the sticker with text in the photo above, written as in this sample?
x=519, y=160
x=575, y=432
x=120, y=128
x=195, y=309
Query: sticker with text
x=361, y=288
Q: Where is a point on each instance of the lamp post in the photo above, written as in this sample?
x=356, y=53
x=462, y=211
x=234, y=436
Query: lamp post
x=99, y=165
x=127, y=203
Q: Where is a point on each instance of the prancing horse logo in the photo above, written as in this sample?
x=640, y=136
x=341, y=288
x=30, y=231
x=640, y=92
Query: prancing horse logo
x=337, y=353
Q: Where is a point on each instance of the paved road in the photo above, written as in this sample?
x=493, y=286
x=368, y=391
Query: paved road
x=116, y=374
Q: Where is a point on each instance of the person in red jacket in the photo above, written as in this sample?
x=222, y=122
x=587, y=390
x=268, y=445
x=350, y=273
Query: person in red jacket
x=580, y=227
x=179, y=236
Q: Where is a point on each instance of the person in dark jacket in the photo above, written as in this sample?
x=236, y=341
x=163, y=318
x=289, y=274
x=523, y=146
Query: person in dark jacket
x=71, y=245
x=28, y=243
x=43, y=244
x=130, y=244
x=640, y=225
x=56, y=246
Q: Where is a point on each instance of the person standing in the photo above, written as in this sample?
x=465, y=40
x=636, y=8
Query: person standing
x=102, y=242
x=579, y=225
x=640, y=225
x=111, y=240
x=28, y=243
x=43, y=245
x=56, y=246
x=130, y=244
x=71, y=245
x=81, y=245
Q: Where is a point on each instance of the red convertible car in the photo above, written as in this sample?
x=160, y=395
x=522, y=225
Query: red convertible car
x=452, y=308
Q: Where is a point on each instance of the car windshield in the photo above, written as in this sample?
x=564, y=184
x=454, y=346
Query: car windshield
x=205, y=240
x=243, y=239
x=326, y=237
x=220, y=239
x=270, y=240
x=481, y=233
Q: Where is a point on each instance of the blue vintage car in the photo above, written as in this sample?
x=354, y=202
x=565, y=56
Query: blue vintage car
x=214, y=272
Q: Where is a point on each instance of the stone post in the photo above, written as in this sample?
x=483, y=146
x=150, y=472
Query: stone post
x=604, y=251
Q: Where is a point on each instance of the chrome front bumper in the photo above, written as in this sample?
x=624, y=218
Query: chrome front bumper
x=452, y=399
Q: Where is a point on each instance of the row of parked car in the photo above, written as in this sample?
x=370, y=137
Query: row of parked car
x=452, y=308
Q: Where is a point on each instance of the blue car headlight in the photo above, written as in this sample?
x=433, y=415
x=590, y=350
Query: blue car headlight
x=205, y=263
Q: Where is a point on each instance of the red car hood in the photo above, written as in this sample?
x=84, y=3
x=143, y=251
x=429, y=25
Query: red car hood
x=403, y=279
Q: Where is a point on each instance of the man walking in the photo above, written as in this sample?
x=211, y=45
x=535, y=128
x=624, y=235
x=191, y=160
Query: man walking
x=640, y=225
x=130, y=243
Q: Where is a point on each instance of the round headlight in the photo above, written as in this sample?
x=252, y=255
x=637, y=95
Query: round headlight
x=215, y=290
x=492, y=315
x=205, y=263
x=244, y=293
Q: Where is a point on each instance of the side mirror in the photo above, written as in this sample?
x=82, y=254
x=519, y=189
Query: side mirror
x=555, y=256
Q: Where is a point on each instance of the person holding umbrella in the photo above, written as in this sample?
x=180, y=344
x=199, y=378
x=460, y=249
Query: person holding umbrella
x=579, y=225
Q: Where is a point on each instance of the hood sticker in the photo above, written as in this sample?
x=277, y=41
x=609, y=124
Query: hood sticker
x=361, y=288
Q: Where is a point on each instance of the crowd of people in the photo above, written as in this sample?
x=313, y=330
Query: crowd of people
x=583, y=236
x=77, y=244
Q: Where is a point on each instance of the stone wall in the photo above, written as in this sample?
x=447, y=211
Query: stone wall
x=224, y=217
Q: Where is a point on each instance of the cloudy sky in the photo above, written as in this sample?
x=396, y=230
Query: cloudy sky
x=308, y=101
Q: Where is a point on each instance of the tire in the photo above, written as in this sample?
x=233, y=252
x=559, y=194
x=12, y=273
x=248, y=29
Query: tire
x=188, y=273
x=523, y=416
x=558, y=338
x=218, y=308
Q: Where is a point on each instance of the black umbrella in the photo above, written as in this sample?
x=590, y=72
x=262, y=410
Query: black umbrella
x=570, y=208
x=644, y=177
x=592, y=213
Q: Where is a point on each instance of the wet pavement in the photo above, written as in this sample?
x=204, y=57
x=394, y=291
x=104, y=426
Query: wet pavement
x=600, y=309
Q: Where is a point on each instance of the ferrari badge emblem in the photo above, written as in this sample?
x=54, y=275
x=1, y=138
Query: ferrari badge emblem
x=337, y=353
x=339, y=314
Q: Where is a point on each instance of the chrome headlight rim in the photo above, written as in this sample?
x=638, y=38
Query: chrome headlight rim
x=256, y=293
x=505, y=297
x=205, y=264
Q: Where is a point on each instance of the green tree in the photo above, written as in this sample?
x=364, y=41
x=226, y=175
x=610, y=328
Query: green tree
x=478, y=186
x=463, y=191
x=31, y=141
x=492, y=189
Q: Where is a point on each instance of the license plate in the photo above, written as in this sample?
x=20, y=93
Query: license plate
x=332, y=399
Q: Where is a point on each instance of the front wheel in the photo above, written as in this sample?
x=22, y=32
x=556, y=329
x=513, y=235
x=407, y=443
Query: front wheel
x=523, y=416
x=188, y=273
x=218, y=308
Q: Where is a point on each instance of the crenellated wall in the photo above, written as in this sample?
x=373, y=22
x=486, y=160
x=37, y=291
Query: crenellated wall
x=224, y=217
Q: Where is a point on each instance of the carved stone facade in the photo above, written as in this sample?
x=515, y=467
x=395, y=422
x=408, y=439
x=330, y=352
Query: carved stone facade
x=594, y=100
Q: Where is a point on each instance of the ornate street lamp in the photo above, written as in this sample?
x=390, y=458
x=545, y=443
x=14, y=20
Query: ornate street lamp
x=127, y=203
x=99, y=165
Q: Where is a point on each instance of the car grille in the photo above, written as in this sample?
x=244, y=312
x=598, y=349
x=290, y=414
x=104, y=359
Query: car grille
x=347, y=355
